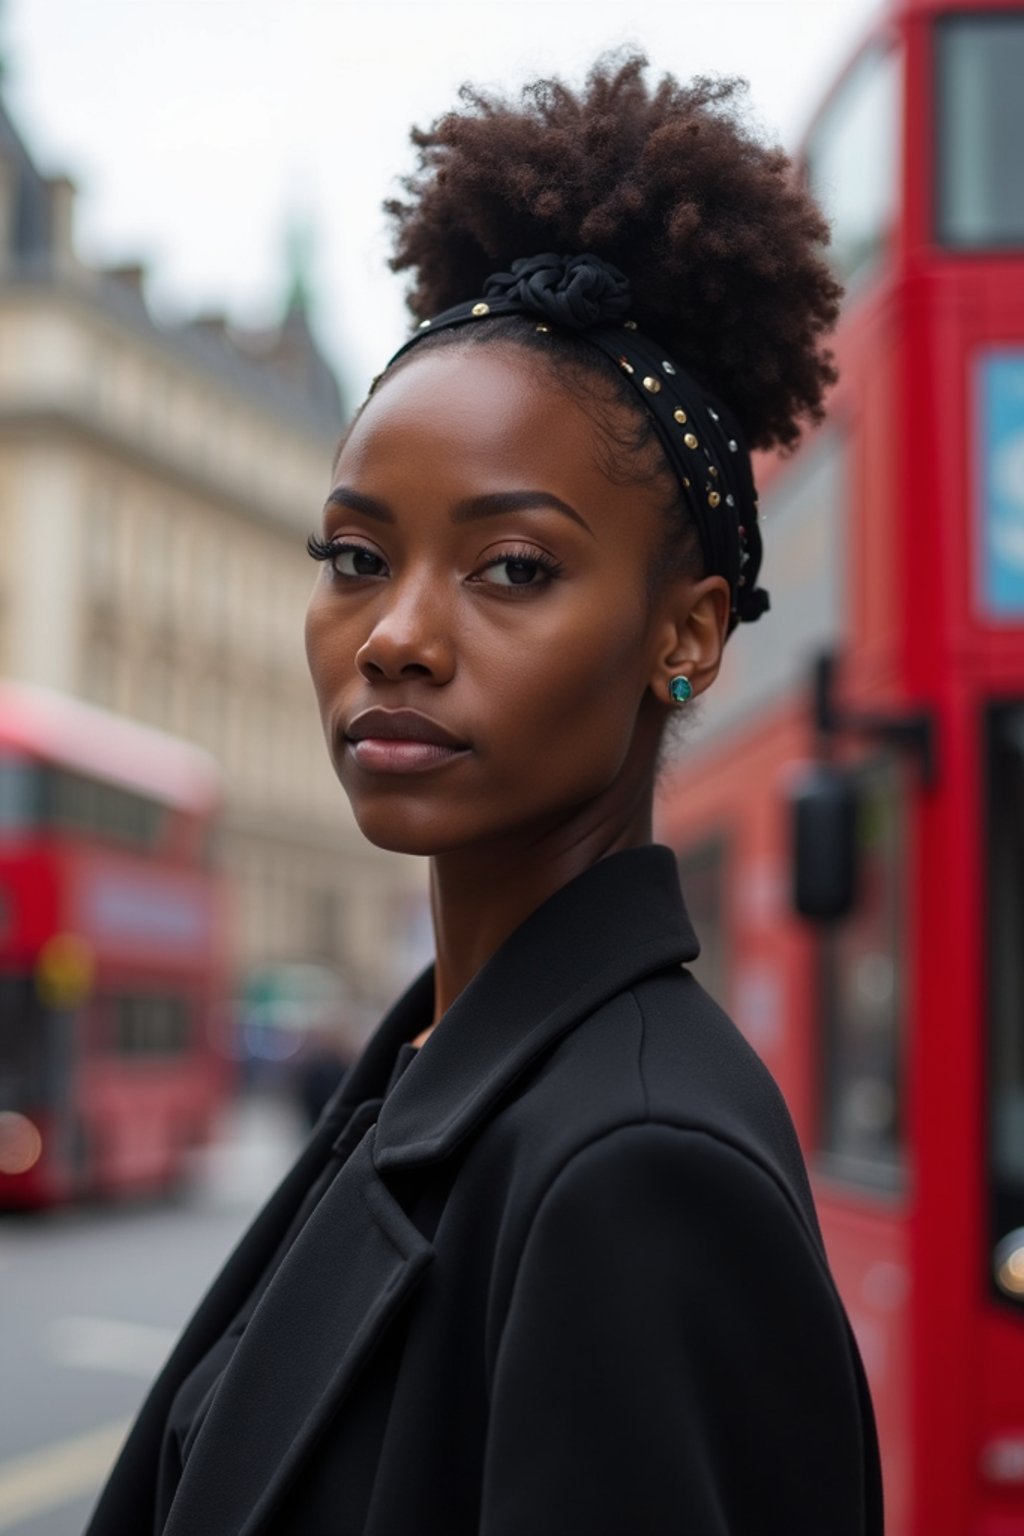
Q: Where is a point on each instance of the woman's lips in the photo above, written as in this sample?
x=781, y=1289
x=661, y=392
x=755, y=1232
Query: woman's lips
x=401, y=741
x=379, y=754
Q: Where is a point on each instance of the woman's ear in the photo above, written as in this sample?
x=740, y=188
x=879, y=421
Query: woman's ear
x=691, y=634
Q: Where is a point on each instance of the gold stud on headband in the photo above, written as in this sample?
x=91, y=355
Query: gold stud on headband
x=652, y=384
x=680, y=416
x=480, y=309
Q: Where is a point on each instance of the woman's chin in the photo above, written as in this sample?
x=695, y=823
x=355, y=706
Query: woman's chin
x=424, y=835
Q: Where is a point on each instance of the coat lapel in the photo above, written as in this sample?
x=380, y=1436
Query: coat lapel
x=358, y=1257
x=130, y=1487
x=350, y=1269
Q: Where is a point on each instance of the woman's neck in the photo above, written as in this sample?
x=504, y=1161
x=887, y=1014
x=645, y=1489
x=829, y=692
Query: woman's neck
x=481, y=895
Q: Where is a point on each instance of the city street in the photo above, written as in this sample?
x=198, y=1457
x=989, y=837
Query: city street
x=92, y=1302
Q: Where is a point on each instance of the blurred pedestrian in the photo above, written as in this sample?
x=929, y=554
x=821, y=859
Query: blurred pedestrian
x=318, y=1072
x=549, y=1264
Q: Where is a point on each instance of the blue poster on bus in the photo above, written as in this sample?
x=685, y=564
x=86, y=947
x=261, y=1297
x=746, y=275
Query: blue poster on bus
x=1001, y=488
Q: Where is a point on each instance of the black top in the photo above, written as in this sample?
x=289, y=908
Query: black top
x=567, y=1277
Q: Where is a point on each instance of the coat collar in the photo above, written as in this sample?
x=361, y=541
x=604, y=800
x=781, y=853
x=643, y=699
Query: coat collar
x=621, y=919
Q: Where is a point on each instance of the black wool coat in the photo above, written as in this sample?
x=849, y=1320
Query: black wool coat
x=565, y=1278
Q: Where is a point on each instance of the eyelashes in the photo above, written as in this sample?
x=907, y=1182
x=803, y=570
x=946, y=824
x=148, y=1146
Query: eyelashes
x=333, y=549
x=530, y=559
x=322, y=549
x=525, y=558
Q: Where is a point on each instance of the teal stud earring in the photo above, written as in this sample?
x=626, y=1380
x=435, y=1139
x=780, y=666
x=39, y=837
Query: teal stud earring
x=680, y=689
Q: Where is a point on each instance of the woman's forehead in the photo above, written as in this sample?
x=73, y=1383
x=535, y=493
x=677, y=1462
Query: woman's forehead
x=462, y=411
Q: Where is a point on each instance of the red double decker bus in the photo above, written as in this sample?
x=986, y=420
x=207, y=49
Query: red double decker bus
x=112, y=951
x=849, y=814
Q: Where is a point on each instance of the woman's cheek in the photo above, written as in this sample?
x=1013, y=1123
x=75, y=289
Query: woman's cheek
x=331, y=645
x=576, y=699
x=317, y=630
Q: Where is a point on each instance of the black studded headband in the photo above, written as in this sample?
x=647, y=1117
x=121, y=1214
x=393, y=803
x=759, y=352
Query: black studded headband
x=701, y=439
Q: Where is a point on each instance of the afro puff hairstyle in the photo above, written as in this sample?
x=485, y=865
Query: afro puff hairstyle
x=721, y=242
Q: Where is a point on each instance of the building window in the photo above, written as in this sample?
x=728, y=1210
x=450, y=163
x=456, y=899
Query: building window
x=102, y=539
x=206, y=703
x=99, y=669
x=323, y=926
x=156, y=556
x=158, y=699
x=213, y=583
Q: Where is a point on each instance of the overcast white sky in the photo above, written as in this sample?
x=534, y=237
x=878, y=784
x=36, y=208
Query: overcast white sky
x=197, y=128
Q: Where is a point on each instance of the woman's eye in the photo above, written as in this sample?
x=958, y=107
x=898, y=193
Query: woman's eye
x=516, y=571
x=354, y=560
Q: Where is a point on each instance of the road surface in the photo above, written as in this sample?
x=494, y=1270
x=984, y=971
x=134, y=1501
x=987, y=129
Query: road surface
x=93, y=1299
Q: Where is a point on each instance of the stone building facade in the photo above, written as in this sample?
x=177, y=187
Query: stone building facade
x=156, y=488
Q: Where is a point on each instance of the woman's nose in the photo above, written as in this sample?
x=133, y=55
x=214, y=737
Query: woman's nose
x=410, y=639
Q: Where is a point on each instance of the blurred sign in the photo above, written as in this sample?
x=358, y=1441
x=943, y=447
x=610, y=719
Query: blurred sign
x=134, y=910
x=1000, y=449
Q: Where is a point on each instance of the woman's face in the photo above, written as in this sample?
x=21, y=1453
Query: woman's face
x=489, y=577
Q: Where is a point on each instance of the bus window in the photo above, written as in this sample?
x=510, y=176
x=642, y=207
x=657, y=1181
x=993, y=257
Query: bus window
x=150, y=1024
x=19, y=791
x=853, y=163
x=702, y=873
x=862, y=960
x=980, y=126
x=1005, y=969
x=102, y=810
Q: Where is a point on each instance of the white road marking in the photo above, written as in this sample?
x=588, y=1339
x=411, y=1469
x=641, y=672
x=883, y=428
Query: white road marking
x=105, y=1344
x=56, y=1474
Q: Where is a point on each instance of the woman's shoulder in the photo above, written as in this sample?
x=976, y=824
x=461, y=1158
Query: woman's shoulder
x=696, y=1066
x=662, y=1053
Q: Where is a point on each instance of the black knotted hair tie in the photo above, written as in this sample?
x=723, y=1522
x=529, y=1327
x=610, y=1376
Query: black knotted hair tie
x=699, y=434
x=574, y=291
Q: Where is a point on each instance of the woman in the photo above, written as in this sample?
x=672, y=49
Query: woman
x=549, y=1265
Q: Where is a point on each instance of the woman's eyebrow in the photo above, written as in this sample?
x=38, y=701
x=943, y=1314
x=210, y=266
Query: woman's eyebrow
x=358, y=501
x=488, y=504
x=493, y=503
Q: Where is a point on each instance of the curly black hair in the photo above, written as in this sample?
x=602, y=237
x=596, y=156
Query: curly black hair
x=720, y=240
